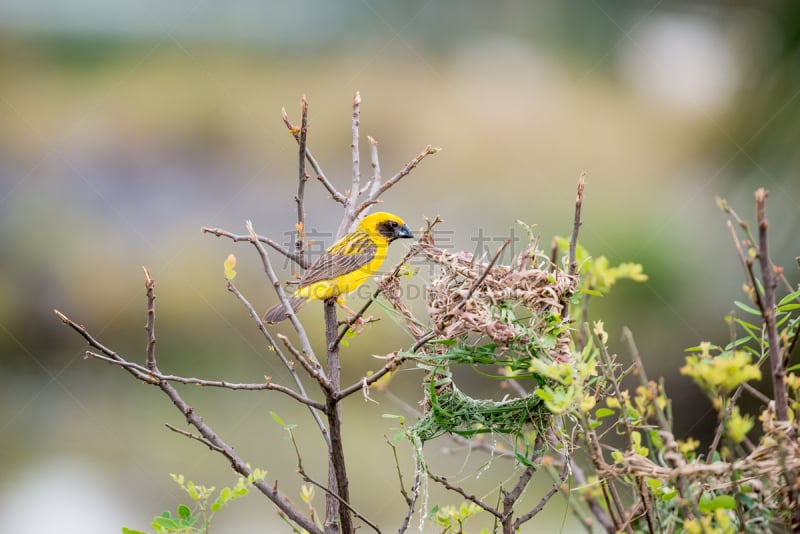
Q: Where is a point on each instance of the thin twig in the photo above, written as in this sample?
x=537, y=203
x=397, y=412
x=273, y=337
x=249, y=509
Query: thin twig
x=768, y=313
x=150, y=326
x=299, y=259
x=286, y=363
x=303, y=177
x=189, y=435
x=545, y=498
x=471, y=498
x=375, y=181
x=210, y=437
x=139, y=372
x=395, y=362
x=409, y=499
x=350, y=212
x=313, y=369
x=576, y=225
x=273, y=278
x=572, y=268
x=360, y=313
x=510, y=498
x=154, y=377
x=376, y=194
x=295, y=131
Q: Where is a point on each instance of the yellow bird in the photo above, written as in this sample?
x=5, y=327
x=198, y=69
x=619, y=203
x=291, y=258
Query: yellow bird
x=346, y=264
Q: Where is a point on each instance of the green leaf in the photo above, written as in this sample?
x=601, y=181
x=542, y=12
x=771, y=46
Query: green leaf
x=184, y=512
x=748, y=309
x=668, y=496
x=229, y=266
x=131, y=531
x=277, y=419
x=736, y=343
x=788, y=307
x=603, y=412
x=788, y=298
x=191, y=489
x=709, y=504
x=165, y=522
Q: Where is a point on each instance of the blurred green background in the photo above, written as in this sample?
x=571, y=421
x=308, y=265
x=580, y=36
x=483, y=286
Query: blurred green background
x=126, y=126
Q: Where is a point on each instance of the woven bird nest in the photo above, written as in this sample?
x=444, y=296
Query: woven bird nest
x=542, y=293
x=486, y=313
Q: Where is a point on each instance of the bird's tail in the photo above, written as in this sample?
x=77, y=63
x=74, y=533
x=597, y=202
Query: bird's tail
x=277, y=313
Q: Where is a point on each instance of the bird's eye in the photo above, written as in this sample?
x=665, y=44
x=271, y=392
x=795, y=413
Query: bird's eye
x=393, y=224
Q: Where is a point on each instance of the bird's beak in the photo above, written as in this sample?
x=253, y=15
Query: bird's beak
x=403, y=231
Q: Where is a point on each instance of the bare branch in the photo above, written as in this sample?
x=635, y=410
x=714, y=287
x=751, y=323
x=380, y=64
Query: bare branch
x=139, y=371
x=395, y=362
x=376, y=193
x=350, y=212
x=313, y=368
x=374, y=182
x=239, y=465
x=576, y=225
x=150, y=326
x=210, y=438
x=136, y=370
x=192, y=436
x=471, y=498
x=747, y=265
x=545, y=498
x=299, y=259
x=410, y=500
x=291, y=368
x=360, y=313
x=303, y=177
x=295, y=131
x=273, y=278
x=768, y=313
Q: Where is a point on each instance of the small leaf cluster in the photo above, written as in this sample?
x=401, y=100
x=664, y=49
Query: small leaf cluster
x=197, y=519
x=452, y=518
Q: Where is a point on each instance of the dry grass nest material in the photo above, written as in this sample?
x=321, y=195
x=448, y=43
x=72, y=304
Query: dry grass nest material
x=518, y=284
x=464, y=302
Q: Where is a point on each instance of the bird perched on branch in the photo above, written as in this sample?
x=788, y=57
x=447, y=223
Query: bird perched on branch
x=346, y=264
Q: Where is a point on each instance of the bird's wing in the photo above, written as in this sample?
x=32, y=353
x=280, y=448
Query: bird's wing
x=351, y=253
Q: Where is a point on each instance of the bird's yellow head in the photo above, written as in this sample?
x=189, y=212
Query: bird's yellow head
x=384, y=225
